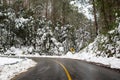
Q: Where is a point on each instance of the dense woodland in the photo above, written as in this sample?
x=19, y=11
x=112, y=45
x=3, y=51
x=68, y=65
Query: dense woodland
x=54, y=26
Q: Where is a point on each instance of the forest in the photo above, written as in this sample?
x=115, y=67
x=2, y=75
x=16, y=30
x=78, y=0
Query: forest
x=52, y=27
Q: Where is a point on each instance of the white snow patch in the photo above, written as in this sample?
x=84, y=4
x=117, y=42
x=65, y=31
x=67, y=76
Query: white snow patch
x=69, y=54
x=112, y=31
x=61, y=49
x=20, y=22
x=19, y=51
x=111, y=62
x=9, y=69
x=4, y=61
x=119, y=28
x=13, y=50
x=1, y=13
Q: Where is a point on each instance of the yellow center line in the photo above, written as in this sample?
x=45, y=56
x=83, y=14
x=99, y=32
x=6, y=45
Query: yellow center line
x=65, y=69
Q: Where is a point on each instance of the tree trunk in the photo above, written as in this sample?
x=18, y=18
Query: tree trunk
x=95, y=17
x=53, y=12
x=1, y=35
x=4, y=2
x=63, y=12
x=104, y=15
x=46, y=10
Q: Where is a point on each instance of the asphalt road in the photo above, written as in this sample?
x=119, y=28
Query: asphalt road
x=67, y=69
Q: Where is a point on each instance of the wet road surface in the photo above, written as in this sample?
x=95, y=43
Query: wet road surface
x=67, y=69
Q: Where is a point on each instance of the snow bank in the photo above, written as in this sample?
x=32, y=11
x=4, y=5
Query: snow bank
x=111, y=62
x=15, y=67
x=5, y=61
x=19, y=51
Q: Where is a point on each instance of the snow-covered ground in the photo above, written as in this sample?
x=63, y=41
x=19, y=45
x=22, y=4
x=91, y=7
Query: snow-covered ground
x=9, y=67
x=86, y=54
x=112, y=62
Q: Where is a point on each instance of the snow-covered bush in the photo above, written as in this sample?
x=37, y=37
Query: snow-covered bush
x=46, y=42
x=106, y=45
x=20, y=22
x=19, y=51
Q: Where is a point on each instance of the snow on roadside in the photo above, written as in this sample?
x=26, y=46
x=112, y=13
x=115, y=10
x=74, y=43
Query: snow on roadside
x=9, y=67
x=5, y=61
x=112, y=62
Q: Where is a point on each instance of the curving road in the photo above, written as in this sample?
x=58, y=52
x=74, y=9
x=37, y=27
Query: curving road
x=67, y=69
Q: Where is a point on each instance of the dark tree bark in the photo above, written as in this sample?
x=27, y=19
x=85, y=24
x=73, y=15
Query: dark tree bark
x=53, y=12
x=63, y=12
x=4, y=2
x=104, y=15
x=95, y=17
x=46, y=10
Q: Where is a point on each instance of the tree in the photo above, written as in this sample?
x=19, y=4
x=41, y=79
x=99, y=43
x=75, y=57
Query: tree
x=107, y=14
x=95, y=16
